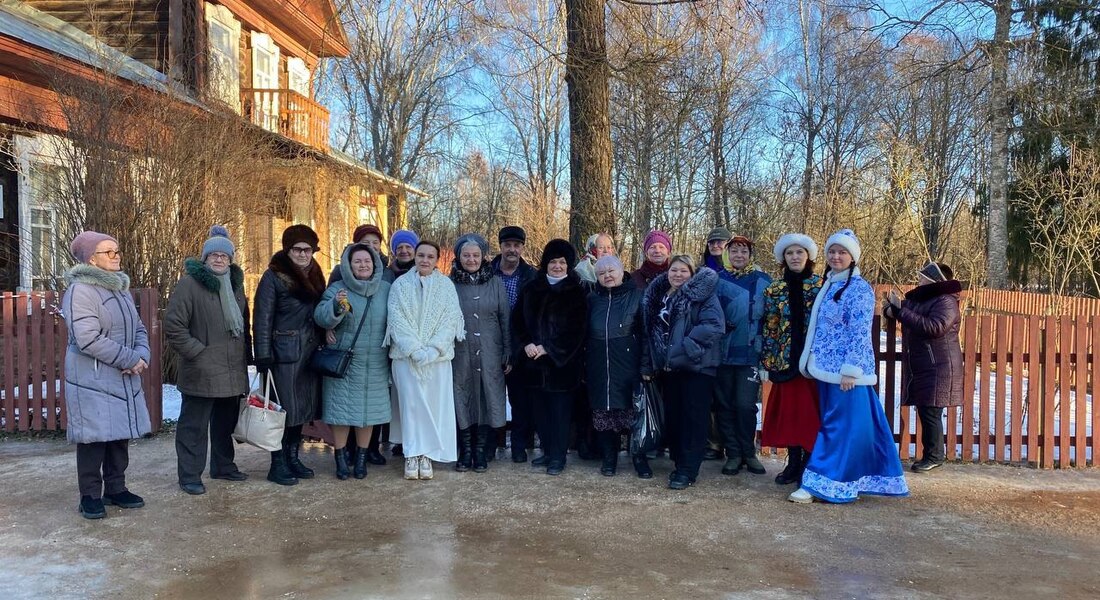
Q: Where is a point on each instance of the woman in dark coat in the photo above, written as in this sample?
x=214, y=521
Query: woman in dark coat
x=684, y=323
x=206, y=323
x=483, y=358
x=285, y=336
x=549, y=323
x=614, y=355
x=933, y=375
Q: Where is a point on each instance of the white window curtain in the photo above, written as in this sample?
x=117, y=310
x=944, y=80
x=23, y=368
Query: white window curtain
x=265, y=76
x=298, y=75
x=223, y=64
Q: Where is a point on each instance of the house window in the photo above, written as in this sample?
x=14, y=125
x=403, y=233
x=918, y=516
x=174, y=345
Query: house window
x=265, y=76
x=297, y=75
x=46, y=184
x=223, y=36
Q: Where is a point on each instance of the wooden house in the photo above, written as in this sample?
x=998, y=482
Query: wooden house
x=255, y=58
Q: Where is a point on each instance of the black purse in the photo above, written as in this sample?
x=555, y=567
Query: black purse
x=333, y=362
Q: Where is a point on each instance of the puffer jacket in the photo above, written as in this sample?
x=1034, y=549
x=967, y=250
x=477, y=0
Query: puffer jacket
x=932, y=359
x=695, y=325
x=616, y=348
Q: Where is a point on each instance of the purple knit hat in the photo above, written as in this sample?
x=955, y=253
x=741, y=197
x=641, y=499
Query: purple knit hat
x=83, y=246
x=657, y=236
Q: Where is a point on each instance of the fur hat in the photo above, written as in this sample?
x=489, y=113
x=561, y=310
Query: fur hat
x=219, y=242
x=719, y=233
x=296, y=234
x=512, y=232
x=846, y=238
x=558, y=248
x=403, y=236
x=364, y=230
x=83, y=245
x=657, y=236
x=476, y=239
x=795, y=239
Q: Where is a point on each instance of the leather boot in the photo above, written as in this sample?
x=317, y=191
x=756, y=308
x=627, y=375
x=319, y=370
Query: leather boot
x=465, y=450
x=802, y=465
x=609, y=449
x=790, y=472
x=641, y=466
x=360, y=463
x=481, y=463
x=342, y=471
x=279, y=472
x=296, y=467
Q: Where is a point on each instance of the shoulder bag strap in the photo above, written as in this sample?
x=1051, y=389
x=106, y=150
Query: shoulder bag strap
x=361, y=321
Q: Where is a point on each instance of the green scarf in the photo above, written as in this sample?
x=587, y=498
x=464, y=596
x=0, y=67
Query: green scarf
x=234, y=320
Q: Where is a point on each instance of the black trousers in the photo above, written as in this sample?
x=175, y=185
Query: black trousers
x=931, y=422
x=203, y=420
x=101, y=467
x=523, y=419
x=735, y=397
x=552, y=418
x=687, y=399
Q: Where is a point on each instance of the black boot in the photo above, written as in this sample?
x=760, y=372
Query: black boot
x=802, y=464
x=279, y=472
x=641, y=466
x=789, y=474
x=360, y=463
x=481, y=463
x=609, y=448
x=342, y=470
x=465, y=450
x=296, y=467
x=491, y=444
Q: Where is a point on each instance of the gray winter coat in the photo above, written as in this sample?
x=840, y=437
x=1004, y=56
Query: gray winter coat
x=284, y=335
x=481, y=357
x=212, y=363
x=695, y=324
x=362, y=397
x=103, y=404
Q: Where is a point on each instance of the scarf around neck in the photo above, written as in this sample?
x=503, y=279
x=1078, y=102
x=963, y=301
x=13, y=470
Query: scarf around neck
x=461, y=276
x=231, y=311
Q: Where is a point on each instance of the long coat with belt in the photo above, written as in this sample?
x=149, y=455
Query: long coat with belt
x=478, y=365
x=284, y=335
x=362, y=397
x=106, y=337
x=932, y=373
x=212, y=362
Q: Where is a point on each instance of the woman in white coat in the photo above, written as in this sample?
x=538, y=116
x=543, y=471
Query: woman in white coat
x=425, y=319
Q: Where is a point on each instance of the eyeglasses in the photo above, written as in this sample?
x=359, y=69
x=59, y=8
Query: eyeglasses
x=302, y=250
x=218, y=256
x=111, y=253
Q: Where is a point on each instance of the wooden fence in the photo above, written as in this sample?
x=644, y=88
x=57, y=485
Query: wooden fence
x=1029, y=392
x=32, y=369
x=1010, y=302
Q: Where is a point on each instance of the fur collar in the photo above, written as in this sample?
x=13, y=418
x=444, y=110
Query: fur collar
x=195, y=268
x=934, y=290
x=461, y=277
x=116, y=281
x=307, y=285
x=701, y=286
x=363, y=288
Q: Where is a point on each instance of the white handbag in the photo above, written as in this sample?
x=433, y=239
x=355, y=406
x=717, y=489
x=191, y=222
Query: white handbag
x=261, y=421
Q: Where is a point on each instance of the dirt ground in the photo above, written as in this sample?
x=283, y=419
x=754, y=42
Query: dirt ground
x=966, y=532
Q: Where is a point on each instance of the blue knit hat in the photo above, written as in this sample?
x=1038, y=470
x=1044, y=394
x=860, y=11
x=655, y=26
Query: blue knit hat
x=219, y=242
x=403, y=236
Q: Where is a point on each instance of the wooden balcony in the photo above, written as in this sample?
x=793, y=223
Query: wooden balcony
x=287, y=113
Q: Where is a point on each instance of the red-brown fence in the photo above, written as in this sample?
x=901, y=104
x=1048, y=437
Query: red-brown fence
x=1009, y=302
x=1028, y=393
x=34, y=337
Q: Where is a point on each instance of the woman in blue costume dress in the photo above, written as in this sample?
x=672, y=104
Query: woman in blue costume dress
x=854, y=452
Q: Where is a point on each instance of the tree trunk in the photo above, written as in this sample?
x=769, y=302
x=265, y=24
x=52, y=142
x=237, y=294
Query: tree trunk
x=587, y=74
x=997, y=237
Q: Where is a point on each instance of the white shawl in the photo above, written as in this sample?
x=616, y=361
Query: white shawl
x=423, y=313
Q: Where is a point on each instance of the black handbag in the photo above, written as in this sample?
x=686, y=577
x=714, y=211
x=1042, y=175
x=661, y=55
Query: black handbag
x=334, y=362
x=649, y=419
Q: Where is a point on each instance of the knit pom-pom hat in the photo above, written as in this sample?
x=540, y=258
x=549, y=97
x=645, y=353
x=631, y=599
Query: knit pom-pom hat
x=219, y=242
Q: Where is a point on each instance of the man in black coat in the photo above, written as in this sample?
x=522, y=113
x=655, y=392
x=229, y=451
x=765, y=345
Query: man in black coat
x=515, y=273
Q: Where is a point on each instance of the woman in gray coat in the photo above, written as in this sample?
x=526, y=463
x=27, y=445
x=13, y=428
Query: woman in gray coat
x=354, y=308
x=107, y=351
x=284, y=337
x=206, y=323
x=481, y=360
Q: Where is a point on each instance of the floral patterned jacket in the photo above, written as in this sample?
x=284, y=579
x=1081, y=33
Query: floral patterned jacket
x=775, y=355
x=838, y=340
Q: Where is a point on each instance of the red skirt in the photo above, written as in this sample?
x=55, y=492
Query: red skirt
x=792, y=417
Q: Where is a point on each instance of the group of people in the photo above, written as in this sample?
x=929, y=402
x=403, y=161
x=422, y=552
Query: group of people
x=436, y=358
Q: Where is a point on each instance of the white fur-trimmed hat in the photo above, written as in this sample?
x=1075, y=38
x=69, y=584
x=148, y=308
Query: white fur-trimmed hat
x=846, y=238
x=795, y=239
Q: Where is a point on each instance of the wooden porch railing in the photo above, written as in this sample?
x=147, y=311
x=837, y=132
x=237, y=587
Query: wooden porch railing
x=287, y=113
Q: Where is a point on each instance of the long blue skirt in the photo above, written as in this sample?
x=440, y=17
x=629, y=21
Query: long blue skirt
x=854, y=453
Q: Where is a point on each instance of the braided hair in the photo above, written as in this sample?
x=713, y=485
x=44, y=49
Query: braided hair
x=840, y=292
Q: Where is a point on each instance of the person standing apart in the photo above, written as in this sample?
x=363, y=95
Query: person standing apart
x=354, y=308
x=791, y=419
x=425, y=320
x=515, y=273
x=206, y=323
x=684, y=323
x=656, y=248
x=548, y=331
x=284, y=337
x=931, y=355
x=484, y=357
x=108, y=349
x=854, y=452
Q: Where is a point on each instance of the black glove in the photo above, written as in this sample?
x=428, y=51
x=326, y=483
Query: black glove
x=264, y=365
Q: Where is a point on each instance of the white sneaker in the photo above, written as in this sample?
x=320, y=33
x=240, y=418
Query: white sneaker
x=412, y=468
x=425, y=467
x=801, y=496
